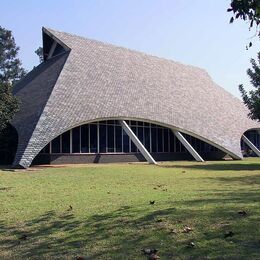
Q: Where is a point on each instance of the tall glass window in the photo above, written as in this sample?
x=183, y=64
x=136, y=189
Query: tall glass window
x=84, y=133
x=66, y=142
x=93, y=138
x=55, y=146
x=160, y=140
x=140, y=134
x=172, y=143
x=154, y=139
x=165, y=140
x=76, y=140
x=125, y=142
x=118, y=137
x=110, y=138
x=147, y=138
x=102, y=138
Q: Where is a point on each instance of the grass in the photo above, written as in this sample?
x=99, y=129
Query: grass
x=111, y=217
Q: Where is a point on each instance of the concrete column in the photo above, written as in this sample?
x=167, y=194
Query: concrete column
x=251, y=145
x=187, y=145
x=137, y=142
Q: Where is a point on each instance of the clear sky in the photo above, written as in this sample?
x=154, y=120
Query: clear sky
x=195, y=32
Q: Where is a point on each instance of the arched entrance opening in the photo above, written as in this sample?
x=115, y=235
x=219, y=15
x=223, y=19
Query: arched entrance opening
x=254, y=137
x=8, y=145
x=106, y=141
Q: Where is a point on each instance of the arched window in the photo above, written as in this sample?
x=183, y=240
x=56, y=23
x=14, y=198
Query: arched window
x=109, y=137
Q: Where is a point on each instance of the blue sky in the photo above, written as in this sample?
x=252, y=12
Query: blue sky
x=195, y=32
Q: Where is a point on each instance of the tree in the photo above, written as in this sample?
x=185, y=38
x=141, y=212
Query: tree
x=9, y=104
x=252, y=99
x=247, y=10
x=39, y=52
x=11, y=69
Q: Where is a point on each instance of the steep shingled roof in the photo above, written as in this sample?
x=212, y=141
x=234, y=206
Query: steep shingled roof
x=101, y=81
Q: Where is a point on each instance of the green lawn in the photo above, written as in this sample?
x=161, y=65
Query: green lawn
x=111, y=216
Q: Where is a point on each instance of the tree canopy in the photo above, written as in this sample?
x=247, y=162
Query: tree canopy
x=9, y=104
x=11, y=71
x=247, y=10
x=39, y=53
x=252, y=98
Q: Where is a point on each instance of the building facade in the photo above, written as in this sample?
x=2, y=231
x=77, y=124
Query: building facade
x=95, y=102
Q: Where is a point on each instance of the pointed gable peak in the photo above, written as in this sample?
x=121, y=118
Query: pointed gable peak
x=52, y=44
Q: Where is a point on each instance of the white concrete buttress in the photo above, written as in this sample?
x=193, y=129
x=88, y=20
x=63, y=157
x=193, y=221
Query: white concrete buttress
x=188, y=146
x=137, y=142
x=251, y=145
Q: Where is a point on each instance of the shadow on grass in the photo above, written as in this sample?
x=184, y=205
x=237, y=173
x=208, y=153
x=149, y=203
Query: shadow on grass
x=122, y=233
x=248, y=180
x=218, y=166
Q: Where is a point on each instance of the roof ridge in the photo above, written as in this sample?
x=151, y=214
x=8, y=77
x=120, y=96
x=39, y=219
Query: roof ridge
x=53, y=31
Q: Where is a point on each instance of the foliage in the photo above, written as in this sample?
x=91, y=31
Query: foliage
x=39, y=53
x=11, y=69
x=9, y=104
x=247, y=10
x=111, y=217
x=252, y=99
